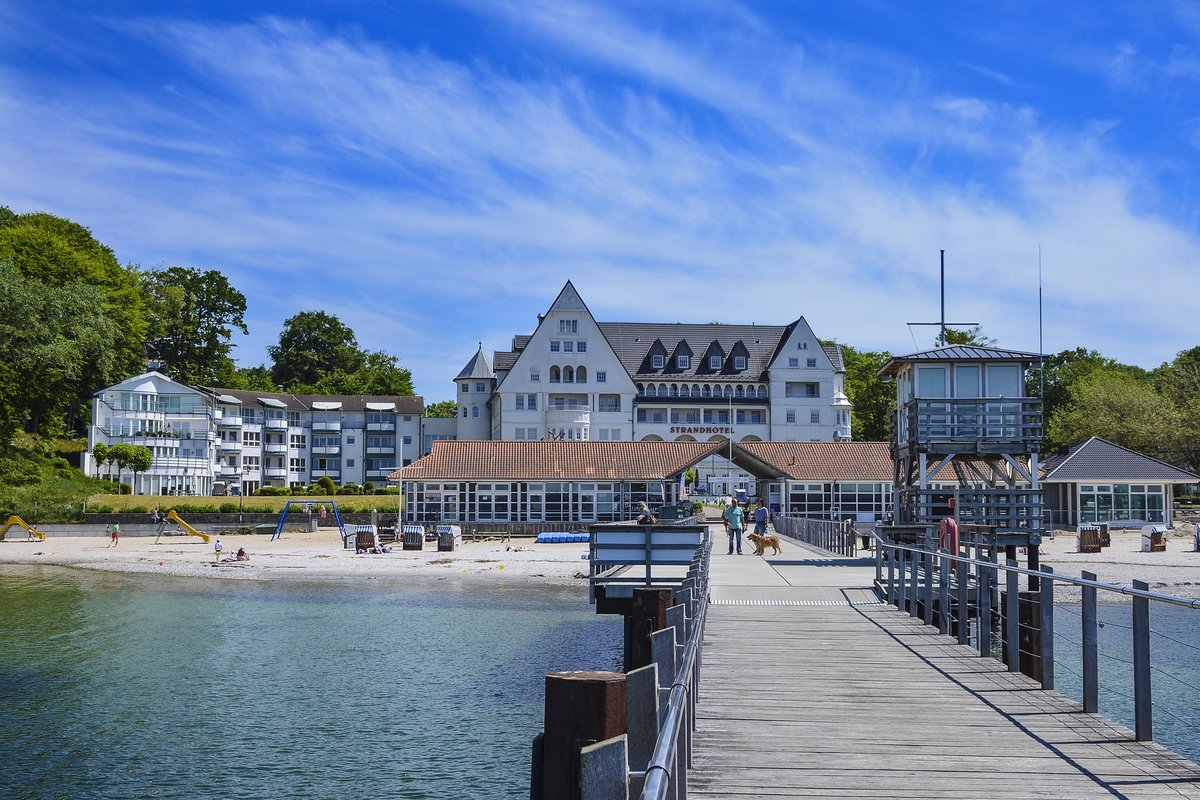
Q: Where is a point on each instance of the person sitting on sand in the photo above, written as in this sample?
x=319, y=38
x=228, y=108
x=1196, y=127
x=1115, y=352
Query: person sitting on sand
x=241, y=555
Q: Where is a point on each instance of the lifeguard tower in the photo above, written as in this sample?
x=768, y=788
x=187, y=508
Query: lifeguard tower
x=964, y=429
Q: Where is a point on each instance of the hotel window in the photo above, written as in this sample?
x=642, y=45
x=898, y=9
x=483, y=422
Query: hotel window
x=602, y=434
x=791, y=416
x=531, y=433
x=812, y=363
x=350, y=463
x=716, y=416
x=714, y=362
x=568, y=347
x=520, y=402
x=814, y=417
x=739, y=362
x=299, y=440
x=531, y=402
x=794, y=363
x=535, y=375
x=812, y=390
x=519, y=433
x=296, y=465
x=555, y=345
x=475, y=412
x=251, y=438
x=568, y=326
x=480, y=387
x=407, y=441
x=683, y=362
x=464, y=412
x=249, y=463
x=465, y=387
x=555, y=375
x=601, y=376
x=609, y=402
x=581, y=375
x=581, y=347
x=293, y=417
x=658, y=361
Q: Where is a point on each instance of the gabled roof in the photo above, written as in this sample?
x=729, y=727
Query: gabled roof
x=834, y=352
x=959, y=352
x=821, y=461
x=568, y=300
x=631, y=341
x=477, y=367
x=1100, y=460
x=503, y=360
x=556, y=460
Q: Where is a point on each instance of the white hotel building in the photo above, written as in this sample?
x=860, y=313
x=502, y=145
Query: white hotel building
x=576, y=378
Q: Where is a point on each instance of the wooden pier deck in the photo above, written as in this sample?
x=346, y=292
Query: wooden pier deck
x=812, y=688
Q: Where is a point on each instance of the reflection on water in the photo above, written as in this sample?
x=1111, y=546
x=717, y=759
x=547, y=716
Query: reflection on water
x=130, y=686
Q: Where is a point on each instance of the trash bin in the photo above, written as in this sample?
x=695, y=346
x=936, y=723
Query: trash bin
x=449, y=538
x=414, y=537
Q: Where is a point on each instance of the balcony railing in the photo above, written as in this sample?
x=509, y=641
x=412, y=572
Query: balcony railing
x=380, y=451
x=229, y=472
x=327, y=450
x=381, y=426
x=275, y=424
x=331, y=427
x=1000, y=421
x=275, y=472
x=229, y=447
x=229, y=422
x=275, y=449
x=327, y=473
x=562, y=417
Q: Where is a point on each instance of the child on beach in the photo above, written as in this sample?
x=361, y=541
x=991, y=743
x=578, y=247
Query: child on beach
x=114, y=530
x=217, y=549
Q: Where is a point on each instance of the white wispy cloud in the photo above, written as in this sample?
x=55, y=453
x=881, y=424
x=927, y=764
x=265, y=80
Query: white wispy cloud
x=431, y=202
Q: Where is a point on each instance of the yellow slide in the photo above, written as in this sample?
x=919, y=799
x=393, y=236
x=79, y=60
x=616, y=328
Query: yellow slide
x=173, y=517
x=15, y=520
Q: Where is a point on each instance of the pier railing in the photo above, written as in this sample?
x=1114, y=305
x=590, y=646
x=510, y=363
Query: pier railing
x=979, y=600
x=836, y=536
x=630, y=734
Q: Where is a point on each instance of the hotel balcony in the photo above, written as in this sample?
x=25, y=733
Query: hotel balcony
x=568, y=417
x=229, y=472
x=229, y=422
x=275, y=472
x=229, y=447
x=327, y=450
x=275, y=424
x=327, y=427
x=380, y=473
x=275, y=448
x=335, y=474
x=381, y=451
x=381, y=426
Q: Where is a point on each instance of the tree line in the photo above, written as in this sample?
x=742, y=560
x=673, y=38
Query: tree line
x=73, y=320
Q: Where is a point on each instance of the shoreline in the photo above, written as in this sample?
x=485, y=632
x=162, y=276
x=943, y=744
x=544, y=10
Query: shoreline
x=304, y=556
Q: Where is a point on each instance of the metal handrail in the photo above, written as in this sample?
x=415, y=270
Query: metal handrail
x=658, y=770
x=1058, y=577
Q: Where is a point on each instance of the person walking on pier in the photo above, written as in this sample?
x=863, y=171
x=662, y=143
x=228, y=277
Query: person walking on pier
x=734, y=517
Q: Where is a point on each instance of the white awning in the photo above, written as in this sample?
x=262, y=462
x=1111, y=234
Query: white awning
x=271, y=402
x=228, y=398
x=327, y=405
x=381, y=406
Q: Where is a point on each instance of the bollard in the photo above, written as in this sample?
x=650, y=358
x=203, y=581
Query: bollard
x=582, y=708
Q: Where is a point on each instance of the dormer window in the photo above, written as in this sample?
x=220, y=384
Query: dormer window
x=714, y=363
x=739, y=362
x=683, y=362
x=658, y=361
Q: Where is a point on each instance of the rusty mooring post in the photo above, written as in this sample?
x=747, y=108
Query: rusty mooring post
x=647, y=614
x=581, y=708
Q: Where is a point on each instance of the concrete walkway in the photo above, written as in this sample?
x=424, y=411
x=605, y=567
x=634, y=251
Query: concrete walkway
x=813, y=688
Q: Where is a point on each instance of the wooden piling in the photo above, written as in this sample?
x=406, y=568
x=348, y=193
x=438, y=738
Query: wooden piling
x=648, y=613
x=582, y=708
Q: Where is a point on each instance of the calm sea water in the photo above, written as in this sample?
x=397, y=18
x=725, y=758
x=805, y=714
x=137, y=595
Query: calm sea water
x=1174, y=674
x=117, y=686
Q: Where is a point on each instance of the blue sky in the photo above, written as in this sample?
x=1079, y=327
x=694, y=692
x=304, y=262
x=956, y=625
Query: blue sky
x=432, y=173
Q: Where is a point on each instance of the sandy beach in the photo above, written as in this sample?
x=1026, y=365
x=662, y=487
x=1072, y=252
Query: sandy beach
x=305, y=556
x=319, y=556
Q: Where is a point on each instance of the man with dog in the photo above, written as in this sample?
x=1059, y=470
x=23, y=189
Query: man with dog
x=734, y=517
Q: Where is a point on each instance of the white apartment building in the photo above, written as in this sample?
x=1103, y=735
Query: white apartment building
x=576, y=378
x=205, y=439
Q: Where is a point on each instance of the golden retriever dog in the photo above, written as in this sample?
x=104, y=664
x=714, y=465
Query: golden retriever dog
x=761, y=543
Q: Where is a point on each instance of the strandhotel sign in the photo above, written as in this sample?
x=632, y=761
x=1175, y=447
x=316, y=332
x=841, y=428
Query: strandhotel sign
x=698, y=429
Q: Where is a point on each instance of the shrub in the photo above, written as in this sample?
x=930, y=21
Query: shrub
x=326, y=485
x=350, y=488
x=368, y=488
x=137, y=510
x=392, y=490
x=228, y=508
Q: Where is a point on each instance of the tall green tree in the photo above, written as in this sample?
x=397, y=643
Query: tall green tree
x=1062, y=371
x=964, y=336
x=1115, y=405
x=313, y=346
x=873, y=399
x=192, y=315
x=1179, y=381
x=251, y=379
x=56, y=344
x=442, y=409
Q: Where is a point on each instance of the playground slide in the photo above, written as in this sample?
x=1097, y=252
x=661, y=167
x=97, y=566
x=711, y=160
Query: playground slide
x=173, y=517
x=15, y=520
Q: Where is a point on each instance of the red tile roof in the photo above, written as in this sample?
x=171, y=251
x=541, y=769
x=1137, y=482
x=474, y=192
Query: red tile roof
x=561, y=460
x=834, y=461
